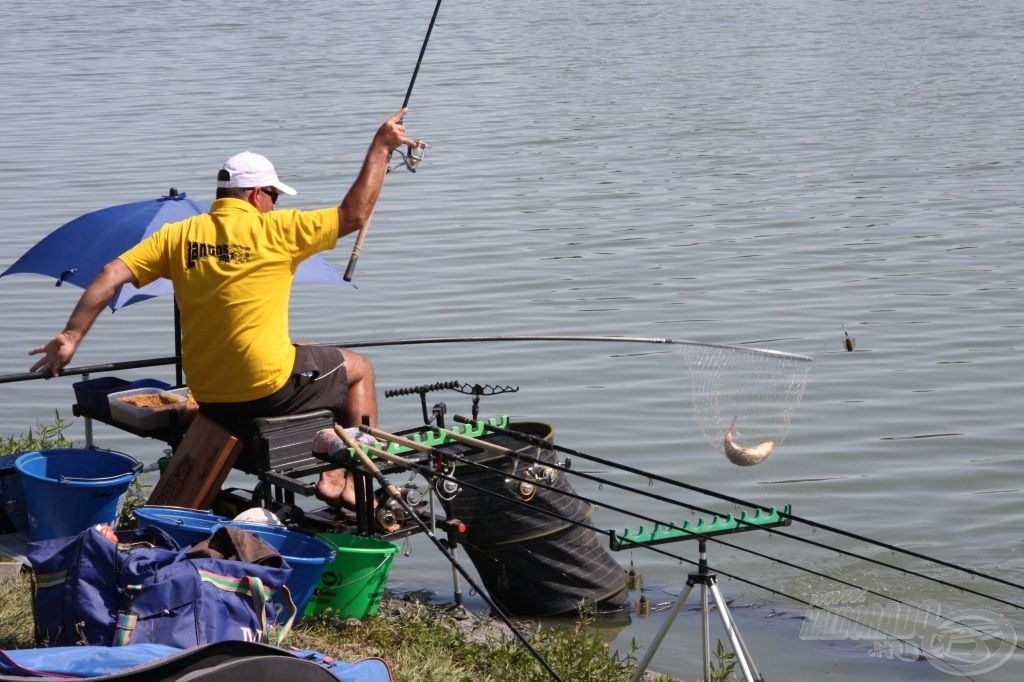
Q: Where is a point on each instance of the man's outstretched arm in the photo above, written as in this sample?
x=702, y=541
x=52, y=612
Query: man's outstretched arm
x=61, y=348
x=357, y=206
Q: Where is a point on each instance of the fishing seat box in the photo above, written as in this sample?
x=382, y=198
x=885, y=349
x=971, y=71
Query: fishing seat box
x=283, y=444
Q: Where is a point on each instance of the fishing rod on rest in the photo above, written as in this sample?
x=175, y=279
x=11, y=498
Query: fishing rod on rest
x=431, y=473
x=540, y=442
x=411, y=161
x=686, y=505
x=397, y=496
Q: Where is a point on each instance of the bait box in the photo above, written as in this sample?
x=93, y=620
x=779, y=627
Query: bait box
x=149, y=418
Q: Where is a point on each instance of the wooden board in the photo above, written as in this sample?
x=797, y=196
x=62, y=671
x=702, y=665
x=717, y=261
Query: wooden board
x=198, y=466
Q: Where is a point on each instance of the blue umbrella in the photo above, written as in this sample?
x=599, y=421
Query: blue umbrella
x=78, y=250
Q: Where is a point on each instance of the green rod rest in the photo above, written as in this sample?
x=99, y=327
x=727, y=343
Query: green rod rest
x=435, y=438
x=758, y=519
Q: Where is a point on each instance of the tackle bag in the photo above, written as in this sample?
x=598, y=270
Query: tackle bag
x=145, y=589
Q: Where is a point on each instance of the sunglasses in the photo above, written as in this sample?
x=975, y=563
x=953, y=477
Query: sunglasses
x=272, y=193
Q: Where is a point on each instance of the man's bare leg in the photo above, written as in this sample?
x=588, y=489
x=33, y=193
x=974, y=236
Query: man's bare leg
x=335, y=487
x=362, y=391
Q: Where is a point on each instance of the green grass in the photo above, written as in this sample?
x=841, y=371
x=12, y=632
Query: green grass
x=424, y=644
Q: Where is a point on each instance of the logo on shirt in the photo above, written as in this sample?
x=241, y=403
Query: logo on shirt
x=225, y=253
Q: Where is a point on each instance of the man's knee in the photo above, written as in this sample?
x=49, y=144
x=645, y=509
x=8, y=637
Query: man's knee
x=357, y=366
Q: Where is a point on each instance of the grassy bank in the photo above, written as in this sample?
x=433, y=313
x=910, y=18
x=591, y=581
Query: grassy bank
x=420, y=643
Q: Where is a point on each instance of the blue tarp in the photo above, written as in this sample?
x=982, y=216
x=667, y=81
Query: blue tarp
x=150, y=662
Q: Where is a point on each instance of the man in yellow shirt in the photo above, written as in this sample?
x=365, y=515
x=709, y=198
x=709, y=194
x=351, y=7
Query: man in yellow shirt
x=232, y=271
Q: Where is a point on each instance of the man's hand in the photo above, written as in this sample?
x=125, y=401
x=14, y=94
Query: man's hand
x=391, y=133
x=98, y=295
x=357, y=206
x=58, y=353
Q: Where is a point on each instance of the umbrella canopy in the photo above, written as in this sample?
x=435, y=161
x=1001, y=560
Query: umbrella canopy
x=78, y=250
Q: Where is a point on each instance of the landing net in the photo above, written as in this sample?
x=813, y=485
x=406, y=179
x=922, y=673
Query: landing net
x=753, y=390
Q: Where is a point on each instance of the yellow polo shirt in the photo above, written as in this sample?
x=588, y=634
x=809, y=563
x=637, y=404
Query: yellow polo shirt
x=232, y=271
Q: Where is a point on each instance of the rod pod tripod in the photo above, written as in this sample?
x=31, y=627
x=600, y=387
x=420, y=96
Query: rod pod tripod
x=708, y=584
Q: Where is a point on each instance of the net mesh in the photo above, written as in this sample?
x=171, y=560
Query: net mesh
x=755, y=391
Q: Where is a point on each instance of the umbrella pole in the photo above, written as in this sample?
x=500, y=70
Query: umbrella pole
x=178, y=378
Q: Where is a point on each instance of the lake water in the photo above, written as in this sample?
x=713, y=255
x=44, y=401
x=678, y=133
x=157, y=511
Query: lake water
x=767, y=173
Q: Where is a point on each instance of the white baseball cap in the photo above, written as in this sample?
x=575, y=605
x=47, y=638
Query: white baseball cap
x=251, y=170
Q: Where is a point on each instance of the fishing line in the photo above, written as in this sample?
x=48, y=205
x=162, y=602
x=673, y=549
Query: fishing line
x=540, y=442
x=357, y=247
x=427, y=472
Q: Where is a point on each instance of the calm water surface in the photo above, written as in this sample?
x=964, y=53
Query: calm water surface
x=762, y=173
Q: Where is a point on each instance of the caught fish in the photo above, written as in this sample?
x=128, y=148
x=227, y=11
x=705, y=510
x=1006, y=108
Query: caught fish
x=742, y=456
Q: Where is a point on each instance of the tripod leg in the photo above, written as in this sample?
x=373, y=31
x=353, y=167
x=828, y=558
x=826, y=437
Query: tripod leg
x=641, y=667
x=705, y=630
x=750, y=673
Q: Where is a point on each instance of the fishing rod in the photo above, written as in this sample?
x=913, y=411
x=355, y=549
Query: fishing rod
x=540, y=442
x=430, y=473
x=88, y=369
x=689, y=506
x=393, y=492
x=426, y=472
x=415, y=152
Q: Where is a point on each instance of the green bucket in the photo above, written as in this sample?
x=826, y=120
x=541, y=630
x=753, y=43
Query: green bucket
x=352, y=585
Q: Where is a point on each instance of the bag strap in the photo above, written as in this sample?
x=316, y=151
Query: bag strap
x=45, y=580
x=124, y=627
x=259, y=593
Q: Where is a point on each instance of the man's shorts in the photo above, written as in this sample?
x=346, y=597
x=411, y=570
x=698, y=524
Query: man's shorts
x=318, y=382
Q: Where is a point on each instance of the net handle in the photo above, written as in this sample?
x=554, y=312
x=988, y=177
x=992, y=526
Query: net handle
x=607, y=339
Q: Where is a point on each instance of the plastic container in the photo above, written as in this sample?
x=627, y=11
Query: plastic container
x=308, y=556
x=185, y=412
x=68, y=490
x=171, y=410
x=91, y=395
x=353, y=584
x=186, y=526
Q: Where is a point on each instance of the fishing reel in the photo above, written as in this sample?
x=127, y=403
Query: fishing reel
x=526, y=485
x=391, y=512
x=446, y=486
x=411, y=159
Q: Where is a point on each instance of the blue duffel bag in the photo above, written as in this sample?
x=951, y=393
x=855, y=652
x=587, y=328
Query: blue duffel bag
x=145, y=589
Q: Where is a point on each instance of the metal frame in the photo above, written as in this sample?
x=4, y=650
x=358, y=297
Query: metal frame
x=708, y=584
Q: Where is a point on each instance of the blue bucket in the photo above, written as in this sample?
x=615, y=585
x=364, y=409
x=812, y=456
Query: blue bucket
x=186, y=526
x=68, y=490
x=308, y=557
